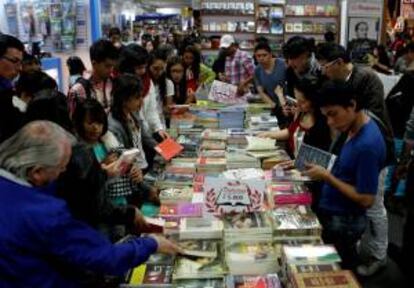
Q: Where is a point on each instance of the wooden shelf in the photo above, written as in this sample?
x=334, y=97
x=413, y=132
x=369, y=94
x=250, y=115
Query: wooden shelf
x=305, y=33
x=227, y=32
x=227, y=15
x=308, y=16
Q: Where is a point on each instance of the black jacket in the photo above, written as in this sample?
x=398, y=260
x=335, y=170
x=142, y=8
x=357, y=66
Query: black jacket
x=11, y=119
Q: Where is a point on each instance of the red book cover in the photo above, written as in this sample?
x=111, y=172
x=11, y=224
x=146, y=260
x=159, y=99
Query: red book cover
x=169, y=148
x=333, y=279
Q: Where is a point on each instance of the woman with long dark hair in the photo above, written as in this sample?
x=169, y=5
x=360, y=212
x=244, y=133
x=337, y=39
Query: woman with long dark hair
x=176, y=72
x=196, y=72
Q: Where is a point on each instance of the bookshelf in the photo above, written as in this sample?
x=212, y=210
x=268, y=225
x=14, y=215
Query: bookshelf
x=311, y=18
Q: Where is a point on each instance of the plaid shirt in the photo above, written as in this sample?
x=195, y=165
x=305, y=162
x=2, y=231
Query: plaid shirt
x=100, y=91
x=239, y=67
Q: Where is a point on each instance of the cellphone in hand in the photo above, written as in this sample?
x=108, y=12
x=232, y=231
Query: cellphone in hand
x=126, y=159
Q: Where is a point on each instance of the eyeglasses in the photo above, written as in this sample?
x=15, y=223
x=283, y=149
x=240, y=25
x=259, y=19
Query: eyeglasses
x=329, y=64
x=15, y=61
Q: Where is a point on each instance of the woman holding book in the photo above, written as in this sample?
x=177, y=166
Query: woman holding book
x=309, y=125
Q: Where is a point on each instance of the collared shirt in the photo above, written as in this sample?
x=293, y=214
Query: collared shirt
x=239, y=67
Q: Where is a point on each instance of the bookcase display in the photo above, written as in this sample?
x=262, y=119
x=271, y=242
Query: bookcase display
x=311, y=18
x=220, y=17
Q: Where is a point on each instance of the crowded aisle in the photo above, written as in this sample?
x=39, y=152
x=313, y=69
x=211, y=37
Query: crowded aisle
x=178, y=150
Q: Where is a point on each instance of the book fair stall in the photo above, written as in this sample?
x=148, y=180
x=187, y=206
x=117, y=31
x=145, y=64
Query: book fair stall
x=241, y=220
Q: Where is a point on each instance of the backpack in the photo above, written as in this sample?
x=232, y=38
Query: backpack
x=87, y=86
x=388, y=136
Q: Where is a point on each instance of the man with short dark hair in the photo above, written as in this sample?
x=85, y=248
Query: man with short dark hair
x=299, y=54
x=270, y=77
x=351, y=186
x=336, y=65
x=11, y=56
x=104, y=56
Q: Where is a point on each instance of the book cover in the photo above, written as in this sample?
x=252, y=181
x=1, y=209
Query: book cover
x=313, y=155
x=334, y=279
x=180, y=210
x=169, y=148
x=310, y=10
x=311, y=254
x=176, y=195
x=309, y=268
x=199, y=248
x=298, y=27
x=225, y=93
x=289, y=27
x=266, y=281
x=199, y=283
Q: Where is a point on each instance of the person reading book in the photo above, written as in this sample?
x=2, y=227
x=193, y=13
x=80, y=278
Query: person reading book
x=350, y=188
x=42, y=244
x=91, y=125
x=309, y=125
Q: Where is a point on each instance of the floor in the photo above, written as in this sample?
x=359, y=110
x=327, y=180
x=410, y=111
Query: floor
x=389, y=277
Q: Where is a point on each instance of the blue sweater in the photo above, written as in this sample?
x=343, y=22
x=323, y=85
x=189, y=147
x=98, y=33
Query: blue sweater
x=37, y=231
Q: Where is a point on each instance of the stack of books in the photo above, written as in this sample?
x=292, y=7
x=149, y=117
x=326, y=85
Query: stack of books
x=244, y=174
x=176, y=180
x=201, y=228
x=288, y=193
x=189, y=142
x=183, y=120
x=263, y=122
x=199, y=283
x=308, y=255
x=251, y=258
x=156, y=272
x=214, y=134
x=206, y=118
x=201, y=259
x=295, y=222
x=247, y=227
x=236, y=137
x=213, y=145
x=211, y=165
x=264, y=281
x=329, y=279
x=180, y=210
x=278, y=174
x=176, y=195
x=231, y=117
x=240, y=159
x=212, y=153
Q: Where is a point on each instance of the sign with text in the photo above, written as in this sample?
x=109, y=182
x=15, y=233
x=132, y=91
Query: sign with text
x=227, y=196
x=225, y=93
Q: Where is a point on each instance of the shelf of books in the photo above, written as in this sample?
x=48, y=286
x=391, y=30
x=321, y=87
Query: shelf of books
x=312, y=18
x=234, y=17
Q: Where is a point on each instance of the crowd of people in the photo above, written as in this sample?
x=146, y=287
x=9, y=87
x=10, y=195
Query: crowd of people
x=64, y=202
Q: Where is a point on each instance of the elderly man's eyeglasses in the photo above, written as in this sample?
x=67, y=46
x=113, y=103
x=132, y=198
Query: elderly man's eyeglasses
x=15, y=61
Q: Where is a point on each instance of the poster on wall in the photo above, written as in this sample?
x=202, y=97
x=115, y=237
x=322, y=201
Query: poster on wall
x=362, y=28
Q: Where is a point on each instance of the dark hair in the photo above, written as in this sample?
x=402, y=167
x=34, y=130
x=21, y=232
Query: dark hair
x=332, y=51
x=75, y=65
x=338, y=93
x=195, y=67
x=131, y=57
x=182, y=86
x=29, y=58
x=359, y=24
x=33, y=82
x=409, y=47
x=114, y=31
x=162, y=80
x=102, y=50
x=49, y=105
x=262, y=39
x=298, y=45
x=95, y=111
x=309, y=86
x=329, y=36
x=263, y=46
x=8, y=41
x=124, y=87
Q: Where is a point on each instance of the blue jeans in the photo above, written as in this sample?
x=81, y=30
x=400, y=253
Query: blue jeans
x=344, y=232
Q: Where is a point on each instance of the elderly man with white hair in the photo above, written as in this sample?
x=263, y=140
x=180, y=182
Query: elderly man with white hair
x=36, y=228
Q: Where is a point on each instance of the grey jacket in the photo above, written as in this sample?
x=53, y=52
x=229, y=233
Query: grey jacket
x=119, y=132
